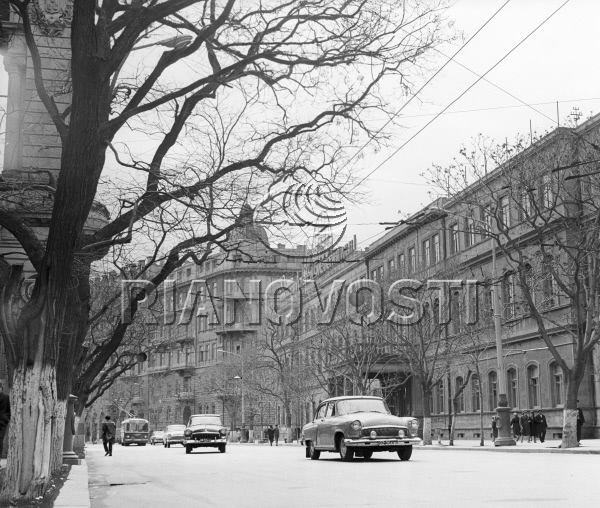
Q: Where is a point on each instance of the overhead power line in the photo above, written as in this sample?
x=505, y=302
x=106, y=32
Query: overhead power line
x=464, y=92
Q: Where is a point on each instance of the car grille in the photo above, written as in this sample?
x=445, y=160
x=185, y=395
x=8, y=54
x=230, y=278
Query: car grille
x=205, y=435
x=381, y=431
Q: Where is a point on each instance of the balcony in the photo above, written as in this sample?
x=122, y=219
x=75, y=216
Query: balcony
x=137, y=401
x=185, y=396
x=184, y=339
x=234, y=328
x=185, y=369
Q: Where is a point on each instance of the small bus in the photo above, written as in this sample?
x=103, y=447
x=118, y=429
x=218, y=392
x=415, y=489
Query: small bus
x=134, y=430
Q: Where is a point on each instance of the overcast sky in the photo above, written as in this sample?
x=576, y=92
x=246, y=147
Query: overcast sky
x=559, y=62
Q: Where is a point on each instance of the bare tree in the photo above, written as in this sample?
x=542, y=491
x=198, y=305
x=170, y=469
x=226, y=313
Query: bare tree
x=541, y=205
x=298, y=81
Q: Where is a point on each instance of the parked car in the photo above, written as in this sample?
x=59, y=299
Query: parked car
x=157, y=437
x=173, y=435
x=358, y=426
x=205, y=431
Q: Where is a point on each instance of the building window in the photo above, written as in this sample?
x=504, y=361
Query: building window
x=475, y=393
x=439, y=397
x=547, y=192
x=469, y=232
x=556, y=378
x=436, y=253
x=427, y=253
x=511, y=382
x=460, y=400
x=525, y=206
x=493, y=390
x=487, y=219
x=548, y=284
x=412, y=260
x=454, y=239
x=508, y=296
x=391, y=265
x=533, y=384
x=504, y=206
x=401, y=264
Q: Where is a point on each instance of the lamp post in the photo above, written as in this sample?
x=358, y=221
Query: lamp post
x=241, y=379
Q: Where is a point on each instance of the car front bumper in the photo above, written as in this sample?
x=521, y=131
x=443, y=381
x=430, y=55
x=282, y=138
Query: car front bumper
x=205, y=442
x=393, y=442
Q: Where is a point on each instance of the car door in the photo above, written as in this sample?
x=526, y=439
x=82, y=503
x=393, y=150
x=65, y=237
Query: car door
x=325, y=434
x=312, y=429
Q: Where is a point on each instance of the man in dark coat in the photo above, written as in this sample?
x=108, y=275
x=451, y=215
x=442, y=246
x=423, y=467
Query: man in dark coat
x=4, y=415
x=108, y=435
x=515, y=426
x=276, y=435
x=580, y=422
x=271, y=434
x=525, y=429
x=541, y=425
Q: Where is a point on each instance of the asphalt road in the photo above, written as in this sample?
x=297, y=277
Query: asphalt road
x=280, y=477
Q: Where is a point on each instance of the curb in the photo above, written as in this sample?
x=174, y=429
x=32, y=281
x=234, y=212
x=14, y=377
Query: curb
x=75, y=493
x=512, y=449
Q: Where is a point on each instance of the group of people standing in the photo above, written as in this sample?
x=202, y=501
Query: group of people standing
x=529, y=425
x=273, y=435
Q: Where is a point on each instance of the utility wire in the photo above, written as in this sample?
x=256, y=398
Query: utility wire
x=462, y=94
x=431, y=78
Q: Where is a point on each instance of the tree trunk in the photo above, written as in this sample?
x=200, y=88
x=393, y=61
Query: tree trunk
x=453, y=424
x=426, y=418
x=36, y=432
x=481, y=429
x=569, y=430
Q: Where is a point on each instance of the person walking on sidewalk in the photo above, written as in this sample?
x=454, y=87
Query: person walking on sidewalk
x=4, y=415
x=524, y=426
x=271, y=434
x=276, y=435
x=108, y=435
x=541, y=425
x=580, y=422
x=494, y=429
x=515, y=425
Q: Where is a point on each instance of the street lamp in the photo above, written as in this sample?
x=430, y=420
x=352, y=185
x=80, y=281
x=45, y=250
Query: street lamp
x=502, y=411
x=241, y=379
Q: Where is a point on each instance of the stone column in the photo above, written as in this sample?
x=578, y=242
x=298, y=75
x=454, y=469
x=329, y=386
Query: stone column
x=15, y=65
x=69, y=456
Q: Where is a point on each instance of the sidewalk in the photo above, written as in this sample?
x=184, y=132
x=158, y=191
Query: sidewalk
x=75, y=493
x=588, y=446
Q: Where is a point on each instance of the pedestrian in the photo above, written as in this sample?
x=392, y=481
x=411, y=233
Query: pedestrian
x=494, y=429
x=535, y=428
x=271, y=434
x=515, y=425
x=580, y=422
x=4, y=415
x=276, y=435
x=525, y=429
x=541, y=425
x=530, y=424
x=108, y=435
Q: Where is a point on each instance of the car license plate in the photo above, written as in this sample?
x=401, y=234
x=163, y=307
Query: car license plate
x=387, y=442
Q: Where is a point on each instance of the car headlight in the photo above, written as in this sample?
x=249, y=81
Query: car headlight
x=187, y=432
x=356, y=425
x=401, y=433
x=373, y=434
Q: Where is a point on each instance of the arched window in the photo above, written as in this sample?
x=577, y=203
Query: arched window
x=475, y=393
x=511, y=383
x=439, y=396
x=493, y=390
x=557, y=385
x=460, y=400
x=533, y=385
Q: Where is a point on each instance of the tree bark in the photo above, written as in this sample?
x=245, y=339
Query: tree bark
x=426, y=418
x=569, y=430
x=35, y=435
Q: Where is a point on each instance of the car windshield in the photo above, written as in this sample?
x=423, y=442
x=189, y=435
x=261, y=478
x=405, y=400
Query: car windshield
x=205, y=420
x=348, y=406
x=137, y=426
x=171, y=428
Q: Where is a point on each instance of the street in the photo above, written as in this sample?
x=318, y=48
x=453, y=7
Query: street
x=263, y=476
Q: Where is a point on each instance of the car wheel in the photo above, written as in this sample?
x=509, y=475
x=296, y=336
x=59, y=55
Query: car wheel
x=405, y=453
x=188, y=449
x=222, y=448
x=312, y=452
x=367, y=454
x=346, y=453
